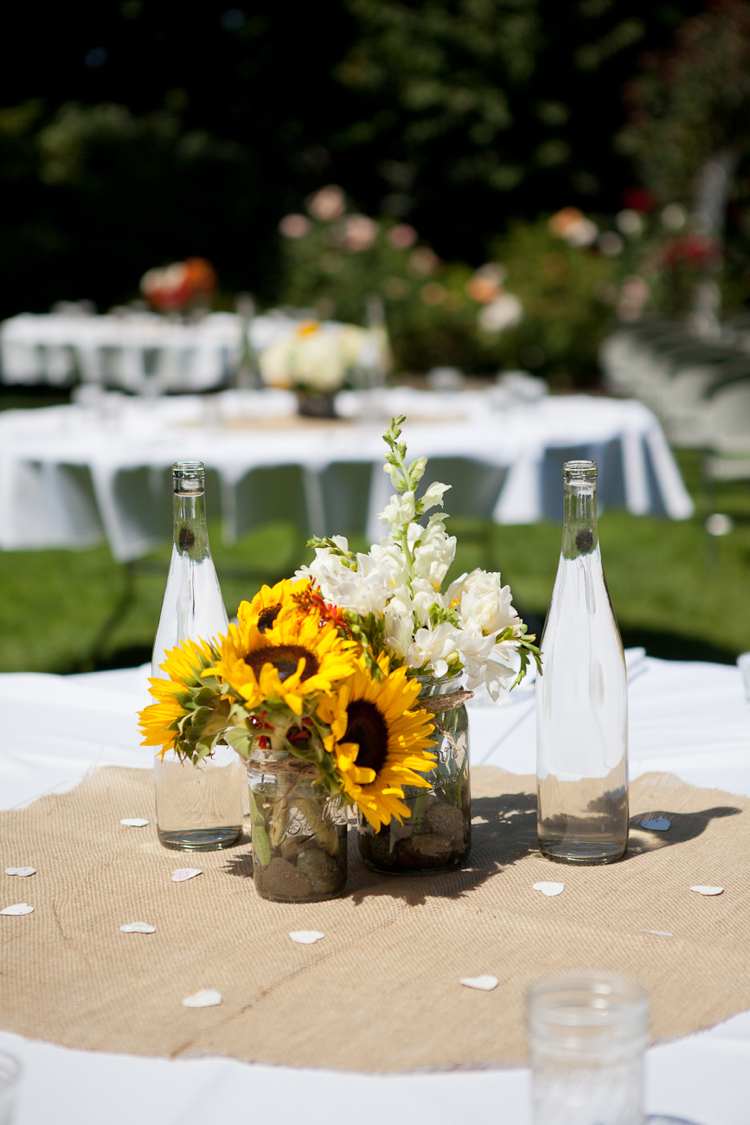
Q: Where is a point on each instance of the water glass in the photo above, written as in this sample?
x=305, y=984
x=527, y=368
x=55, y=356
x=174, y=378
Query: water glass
x=10, y=1078
x=743, y=663
x=587, y=1037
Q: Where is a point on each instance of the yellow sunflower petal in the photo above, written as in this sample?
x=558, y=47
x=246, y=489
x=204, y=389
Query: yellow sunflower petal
x=385, y=745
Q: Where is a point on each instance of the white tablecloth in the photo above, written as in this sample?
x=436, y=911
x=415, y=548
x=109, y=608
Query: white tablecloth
x=140, y=352
x=690, y=719
x=70, y=475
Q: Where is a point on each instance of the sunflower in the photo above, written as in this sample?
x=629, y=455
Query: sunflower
x=293, y=659
x=184, y=665
x=378, y=741
x=269, y=602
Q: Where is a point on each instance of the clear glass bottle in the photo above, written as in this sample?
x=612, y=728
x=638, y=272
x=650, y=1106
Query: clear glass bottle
x=582, y=706
x=437, y=835
x=198, y=808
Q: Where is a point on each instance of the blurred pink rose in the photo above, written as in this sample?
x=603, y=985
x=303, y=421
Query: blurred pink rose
x=295, y=226
x=402, y=237
x=423, y=260
x=327, y=204
x=359, y=233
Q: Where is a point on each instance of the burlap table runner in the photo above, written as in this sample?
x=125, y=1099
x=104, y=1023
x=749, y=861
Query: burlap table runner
x=381, y=991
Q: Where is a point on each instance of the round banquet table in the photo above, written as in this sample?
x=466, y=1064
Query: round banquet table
x=73, y=475
x=690, y=719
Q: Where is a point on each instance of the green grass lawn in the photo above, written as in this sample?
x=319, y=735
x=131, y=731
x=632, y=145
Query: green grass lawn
x=675, y=590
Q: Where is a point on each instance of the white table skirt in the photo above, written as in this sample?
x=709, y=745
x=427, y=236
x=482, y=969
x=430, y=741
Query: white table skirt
x=690, y=719
x=71, y=475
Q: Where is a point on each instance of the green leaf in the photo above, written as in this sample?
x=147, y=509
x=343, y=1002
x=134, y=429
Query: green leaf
x=261, y=846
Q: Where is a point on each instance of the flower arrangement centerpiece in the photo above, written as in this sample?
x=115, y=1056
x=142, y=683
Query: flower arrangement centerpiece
x=316, y=360
x=181, y=286
x=342, y=687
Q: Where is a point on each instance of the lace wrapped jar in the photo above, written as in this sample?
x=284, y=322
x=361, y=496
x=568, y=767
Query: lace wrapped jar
x=437, y=835
x=298, y=830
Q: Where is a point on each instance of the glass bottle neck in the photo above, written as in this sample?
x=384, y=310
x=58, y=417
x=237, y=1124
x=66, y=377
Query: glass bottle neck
x=580, y=535
x=190, y=530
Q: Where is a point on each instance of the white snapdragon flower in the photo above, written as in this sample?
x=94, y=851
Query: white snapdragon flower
x=435, y=552
x=434, y=496
x=424, y=597
x=399, y=622
x=399, y=512
x=483, y=605
x=390, y=558
x=434, y=647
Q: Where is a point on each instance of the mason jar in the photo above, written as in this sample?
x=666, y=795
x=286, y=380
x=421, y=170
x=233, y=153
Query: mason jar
x=298, y=830
x=437, y=835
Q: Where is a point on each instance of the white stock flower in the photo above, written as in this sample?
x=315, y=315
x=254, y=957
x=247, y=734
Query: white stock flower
x=433, y=647
x=483, y=605
x=364, y=590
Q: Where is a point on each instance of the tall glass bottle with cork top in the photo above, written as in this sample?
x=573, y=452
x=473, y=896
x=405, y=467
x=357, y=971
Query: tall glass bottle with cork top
x=198, y=807
x=582, y=719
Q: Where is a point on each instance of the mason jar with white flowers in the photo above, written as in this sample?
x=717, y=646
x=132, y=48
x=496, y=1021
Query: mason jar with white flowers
x=453, y=641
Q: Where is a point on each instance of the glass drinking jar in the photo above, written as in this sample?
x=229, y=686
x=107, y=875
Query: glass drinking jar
x=10, y=1080
x=199, y=808
x=437, y=835
x=299, y=831
x=587, y=1037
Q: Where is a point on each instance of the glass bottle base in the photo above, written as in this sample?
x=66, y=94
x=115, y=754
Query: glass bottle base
x=580, y=852
x=200, y=840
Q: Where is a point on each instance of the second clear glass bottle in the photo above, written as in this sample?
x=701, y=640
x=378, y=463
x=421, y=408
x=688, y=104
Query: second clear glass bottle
x=582, y=712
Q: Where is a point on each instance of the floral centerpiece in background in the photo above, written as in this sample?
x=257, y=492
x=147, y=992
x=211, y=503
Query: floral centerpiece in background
x=181, y=286
x=342, y=687
x=316, y=360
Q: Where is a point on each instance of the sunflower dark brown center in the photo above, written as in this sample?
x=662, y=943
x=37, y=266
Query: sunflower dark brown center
x=285, y=659
x=369, y=730
x=267, y=616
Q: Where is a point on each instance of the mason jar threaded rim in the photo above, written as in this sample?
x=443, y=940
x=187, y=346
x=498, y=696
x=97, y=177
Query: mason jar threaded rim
x=590, y=1011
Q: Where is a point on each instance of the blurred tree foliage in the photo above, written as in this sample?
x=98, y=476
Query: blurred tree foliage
x=692, y=103
x=135, y=133
x=689, y=136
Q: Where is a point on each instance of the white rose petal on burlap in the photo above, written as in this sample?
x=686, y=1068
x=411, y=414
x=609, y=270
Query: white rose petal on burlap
x=18, y=908
x=483, y=984
x=306, y=937
x=24, y=872
x=138, y=928
x=708, y=890
x=11, y=870
x=206, y=998
x=550, y=889
x=185, y=873
x=659, y=933
x=134, y=822
x=658, y=824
